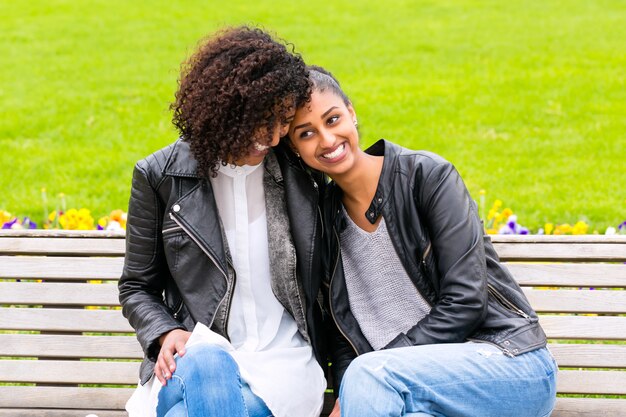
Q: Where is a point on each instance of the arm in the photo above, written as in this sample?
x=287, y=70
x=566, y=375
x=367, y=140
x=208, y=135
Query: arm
x=456, y=262
x=145, y=269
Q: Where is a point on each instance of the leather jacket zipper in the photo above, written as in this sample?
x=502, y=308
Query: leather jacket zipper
x=207, y=253
x=426, y=252
x=178, y=308
x=330, y=297
x=172, y=229
x=506, y=303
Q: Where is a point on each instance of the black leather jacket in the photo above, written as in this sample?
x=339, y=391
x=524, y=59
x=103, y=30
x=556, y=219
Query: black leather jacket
x=438, y=236
x=177, y=271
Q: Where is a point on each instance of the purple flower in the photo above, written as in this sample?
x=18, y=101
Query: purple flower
x=9, y=224
x=28, y=223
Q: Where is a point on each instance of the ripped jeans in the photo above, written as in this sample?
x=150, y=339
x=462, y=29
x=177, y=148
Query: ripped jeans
x=451, y=380
x=206, y=383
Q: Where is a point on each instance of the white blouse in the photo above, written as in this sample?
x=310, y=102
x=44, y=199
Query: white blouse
x=274, y=359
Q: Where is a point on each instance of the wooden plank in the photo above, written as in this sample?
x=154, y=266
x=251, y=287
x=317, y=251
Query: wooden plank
x=577, y=301
x=558, y=239
x=64, y=397
x=53, y=233
x=61, y=267
x=38, y=412
x=74, y=294
x=589, y=407
x=62, y=246
x=591, y=382
x=589, y=355
x=69, y=372
x=569, y=275
x=584, y=327
x=571, y=252
x=58, y=346
x=64, y=320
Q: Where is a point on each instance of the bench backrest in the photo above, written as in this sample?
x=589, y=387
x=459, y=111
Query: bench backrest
x=66, y=350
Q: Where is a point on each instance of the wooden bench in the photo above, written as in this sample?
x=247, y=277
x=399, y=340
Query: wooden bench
x=66, y=350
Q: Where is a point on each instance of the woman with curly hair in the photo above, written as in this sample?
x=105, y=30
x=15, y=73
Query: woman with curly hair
x=222, y=240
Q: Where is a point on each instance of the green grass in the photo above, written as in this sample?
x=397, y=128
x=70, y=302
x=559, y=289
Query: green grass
x=527, y=99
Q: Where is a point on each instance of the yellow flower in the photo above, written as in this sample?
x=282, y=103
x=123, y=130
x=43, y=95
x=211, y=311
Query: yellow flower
x=5, y=216
x=548, y=228
x=563, y=229
x=76, y=219
x=102, y=221
x=506, y=213
x=580, y=228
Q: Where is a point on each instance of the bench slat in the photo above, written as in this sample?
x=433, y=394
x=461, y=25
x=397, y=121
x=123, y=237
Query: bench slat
x=577, y=301
x=591, y=382
x=63, y=246
x=569, y=275
x=584, y=327
x=56, y=346
x=589, y=355
x=74, y=294
x=64, y=397
x=69, y=372
x=60, y=268
x=64, y=320
x=589, y=407
x=571, y=252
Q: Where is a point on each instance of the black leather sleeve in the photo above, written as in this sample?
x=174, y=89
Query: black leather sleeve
x=145, y=269
x=341, y=354
x=456, y=258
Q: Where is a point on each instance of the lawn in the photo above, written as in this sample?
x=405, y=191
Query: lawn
x=527, y=99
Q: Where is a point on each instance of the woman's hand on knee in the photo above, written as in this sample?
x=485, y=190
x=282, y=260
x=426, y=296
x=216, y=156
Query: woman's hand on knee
x=171, y=343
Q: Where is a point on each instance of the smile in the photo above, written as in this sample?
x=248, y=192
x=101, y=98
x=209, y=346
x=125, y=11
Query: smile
x=260, y=147
x=338, y=151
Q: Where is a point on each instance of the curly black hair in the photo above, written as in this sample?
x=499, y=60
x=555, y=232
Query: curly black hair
x=240, y=81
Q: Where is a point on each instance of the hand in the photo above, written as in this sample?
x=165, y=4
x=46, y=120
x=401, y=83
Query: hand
x=171, y=343
x=336, y=411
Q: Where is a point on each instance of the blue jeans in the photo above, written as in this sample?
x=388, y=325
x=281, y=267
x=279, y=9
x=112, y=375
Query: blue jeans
x=207, y=383
x=451, y=380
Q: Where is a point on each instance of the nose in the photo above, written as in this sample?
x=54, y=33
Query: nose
x=327, y=139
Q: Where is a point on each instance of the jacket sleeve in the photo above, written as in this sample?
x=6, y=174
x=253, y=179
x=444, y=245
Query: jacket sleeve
x=340, y=351
x=455, y=264
x=145, y=268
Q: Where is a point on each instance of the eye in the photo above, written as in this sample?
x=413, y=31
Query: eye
x=332, y=120
x=305, y=134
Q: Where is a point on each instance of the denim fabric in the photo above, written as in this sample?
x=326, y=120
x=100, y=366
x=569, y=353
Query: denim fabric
x=451, y=380
x=207, y=383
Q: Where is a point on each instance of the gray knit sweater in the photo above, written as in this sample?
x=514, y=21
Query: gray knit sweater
x=382, y=297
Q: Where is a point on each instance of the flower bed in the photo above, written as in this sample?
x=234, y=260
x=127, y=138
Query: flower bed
x=497, y=220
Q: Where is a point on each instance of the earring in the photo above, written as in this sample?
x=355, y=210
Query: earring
x=297, y=153
x=356, y=123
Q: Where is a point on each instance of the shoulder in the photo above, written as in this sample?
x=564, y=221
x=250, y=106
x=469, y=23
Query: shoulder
x=156, y=161
x=416, y=164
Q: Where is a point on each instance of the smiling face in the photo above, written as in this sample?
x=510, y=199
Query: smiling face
x=262, y=143
x=323, y=132
x=264, y=140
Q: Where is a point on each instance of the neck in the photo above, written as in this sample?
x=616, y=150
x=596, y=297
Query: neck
x=360, y=182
